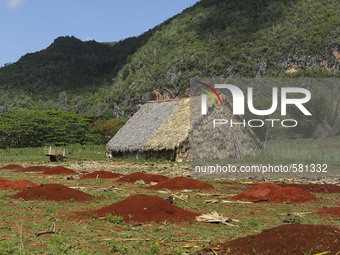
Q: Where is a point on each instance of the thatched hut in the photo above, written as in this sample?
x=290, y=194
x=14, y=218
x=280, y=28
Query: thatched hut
x=162, y=130
x=157, y=130
x=223, y=141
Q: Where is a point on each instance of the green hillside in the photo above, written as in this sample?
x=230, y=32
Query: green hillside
x=64, y=76
x=238, y=38
x=214, y=38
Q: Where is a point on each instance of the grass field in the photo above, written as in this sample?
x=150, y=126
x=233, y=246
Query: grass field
x=35, y=155
x=277, y=151
x=20, y=220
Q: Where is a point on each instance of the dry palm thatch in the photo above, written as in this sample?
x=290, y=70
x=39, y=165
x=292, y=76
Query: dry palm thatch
x=132, y=137
x=174, y=131
x=162, y=130
x=220, y=142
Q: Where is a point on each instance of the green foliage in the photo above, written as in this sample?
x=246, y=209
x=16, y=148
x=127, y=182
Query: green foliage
x=30, y=128
x=297, y=220
x=25, y=128
x=105, y=128
x=83, y=65
x=113, y=218
x=260, y=38
x=58, y=245
x=324, y=106
x=232, y=38
x=119, y=248
x=76, y=151
x=7, y=248
x=154, y=249
x=65, y=76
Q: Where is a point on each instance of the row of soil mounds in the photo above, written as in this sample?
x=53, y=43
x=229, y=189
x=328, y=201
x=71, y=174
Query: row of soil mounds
x=138, y=208
x=271, y=192
x=57, y=170
x=181, y=183
x=25, y=169
x=292, y=239
x=143, y=208
x=147, y=178
x=176, y=183
x=101, y=175
x=131, y=178
x=164, y=182
x=15, y=185
x=52, y=192
x=56, y=192
x=12, y=167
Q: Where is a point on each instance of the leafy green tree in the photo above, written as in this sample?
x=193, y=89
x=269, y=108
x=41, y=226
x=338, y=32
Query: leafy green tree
x=31, y=128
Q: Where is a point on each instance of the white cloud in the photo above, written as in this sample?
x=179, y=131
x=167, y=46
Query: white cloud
x=15, y=4
x=89, y=38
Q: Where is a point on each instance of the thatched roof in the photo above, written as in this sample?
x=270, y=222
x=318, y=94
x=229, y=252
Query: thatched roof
x=162, y=129
x=174, y=131
x=134, y=134
x=220, y=142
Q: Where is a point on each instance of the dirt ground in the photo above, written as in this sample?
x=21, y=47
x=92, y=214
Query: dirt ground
x=132, y=218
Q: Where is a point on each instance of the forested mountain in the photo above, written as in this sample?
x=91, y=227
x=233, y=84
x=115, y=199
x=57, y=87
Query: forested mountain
x=214, y=38
x=63, y=74
x=67, y=64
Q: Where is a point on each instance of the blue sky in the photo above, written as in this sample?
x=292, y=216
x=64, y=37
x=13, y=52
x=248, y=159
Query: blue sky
x=31, y=25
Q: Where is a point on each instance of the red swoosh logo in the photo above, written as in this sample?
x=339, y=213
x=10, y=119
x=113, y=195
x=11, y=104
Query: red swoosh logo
x=213, y=90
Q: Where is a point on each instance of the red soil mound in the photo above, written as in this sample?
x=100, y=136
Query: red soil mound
x=101, y=175
x=147, y=178
x=179, y=183
x=296, y=195
x=59, y=170
x=292, y=239
x=54, y=192
x=316, y=188
x=34, y=169
x=257, y=192
x=12, y=167
x=145, y=208
x=331, y=211
x=274, y=193
x=16, y=185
